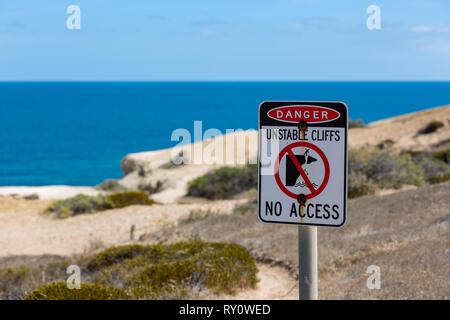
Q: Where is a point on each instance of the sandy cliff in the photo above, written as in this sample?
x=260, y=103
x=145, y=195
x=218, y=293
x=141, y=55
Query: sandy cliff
x=155, y=171
x=155, y=167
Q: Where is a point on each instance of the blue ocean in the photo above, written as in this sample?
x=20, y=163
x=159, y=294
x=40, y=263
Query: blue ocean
x=76, y=133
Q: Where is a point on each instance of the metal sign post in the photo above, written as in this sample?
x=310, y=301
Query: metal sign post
x=307, y=263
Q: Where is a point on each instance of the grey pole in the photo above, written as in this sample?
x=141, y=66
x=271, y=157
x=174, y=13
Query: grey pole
x=307, y=263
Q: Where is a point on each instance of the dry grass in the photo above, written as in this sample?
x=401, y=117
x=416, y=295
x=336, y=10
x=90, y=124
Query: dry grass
x=406, y=234
x=403, y=130
x=12, y=204
x=29, y=232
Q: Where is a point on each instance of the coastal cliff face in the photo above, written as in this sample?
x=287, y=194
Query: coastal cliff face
x=166, y=173
x=156, y=173
x=405, y=131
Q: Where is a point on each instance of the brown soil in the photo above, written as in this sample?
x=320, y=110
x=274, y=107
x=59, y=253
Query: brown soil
x=406, y=234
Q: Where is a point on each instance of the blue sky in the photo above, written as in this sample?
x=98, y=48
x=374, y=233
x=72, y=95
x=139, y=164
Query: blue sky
x=306, y=40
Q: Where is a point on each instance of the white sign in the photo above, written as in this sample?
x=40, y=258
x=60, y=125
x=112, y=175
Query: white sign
x=315, y=167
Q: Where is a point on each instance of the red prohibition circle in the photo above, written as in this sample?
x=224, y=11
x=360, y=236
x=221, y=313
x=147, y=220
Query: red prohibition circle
x=287, y=149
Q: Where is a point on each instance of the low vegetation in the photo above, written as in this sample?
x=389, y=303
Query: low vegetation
x=440, y=179
x=151, y=188
x=82, y=204
x=224, y=182
x=443, y=155
x=431, y=127
x=111, y=185
x=370, y=169
x=180, y=270
x=87, y=291
x=33, y=196
x=16, y=282
x=196, y=215
x=250, y=206
x=373, y=168
x=435, y=165
x=385, y=144
x=356, y=124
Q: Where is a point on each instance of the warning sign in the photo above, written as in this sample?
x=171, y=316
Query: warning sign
x=312, y=164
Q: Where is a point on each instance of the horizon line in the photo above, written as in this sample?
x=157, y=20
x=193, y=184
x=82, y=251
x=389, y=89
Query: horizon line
x=203, y=81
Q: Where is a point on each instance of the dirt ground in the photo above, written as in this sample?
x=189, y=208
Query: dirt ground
x=24, y=230
x=406, y=234
x=275, y=283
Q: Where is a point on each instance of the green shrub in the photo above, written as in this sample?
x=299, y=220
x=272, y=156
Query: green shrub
x=358, y=182
x=443, y=155
x=433, y=165
x=435, y=170
x=17, y=276
x=151, y=188
x=176, y=270
x=390, y=170
x=409, y=172
x=372, y=168
x=383, y=169
x=33, y=196
x=219, y=267
x=385, y=144
x=250, y=206
x=15, y=282
x=128, y=198
x=111, y=185
x=172, y=271
x=359, y=185
x=87, y=291
x=114, y=255
x=431, y=127
x=82, y=204
x=439, y=179
x=224, y=182
x=356, y=124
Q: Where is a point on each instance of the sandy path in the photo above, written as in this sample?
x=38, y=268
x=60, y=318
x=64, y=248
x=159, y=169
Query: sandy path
x=27, y=232
x=275, y=283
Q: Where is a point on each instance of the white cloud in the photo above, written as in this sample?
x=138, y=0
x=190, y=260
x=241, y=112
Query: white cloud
x=431, y=28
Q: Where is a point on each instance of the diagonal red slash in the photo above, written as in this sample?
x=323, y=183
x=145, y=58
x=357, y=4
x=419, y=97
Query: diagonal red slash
x=300, y=169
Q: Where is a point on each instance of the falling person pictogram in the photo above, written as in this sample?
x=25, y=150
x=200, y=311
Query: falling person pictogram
x=293, y=177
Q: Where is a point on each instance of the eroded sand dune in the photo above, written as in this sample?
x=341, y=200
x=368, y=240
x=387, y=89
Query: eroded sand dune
x=154, y=166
